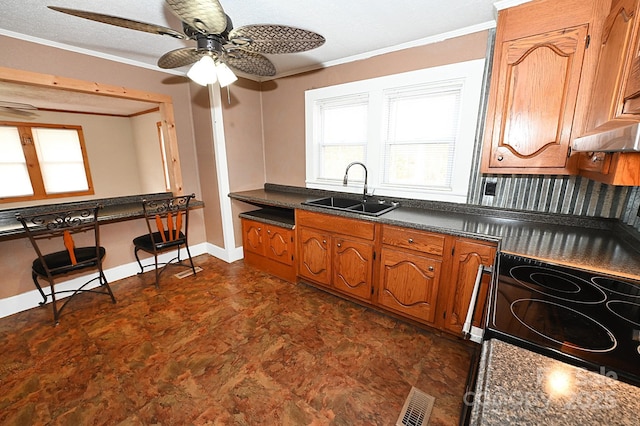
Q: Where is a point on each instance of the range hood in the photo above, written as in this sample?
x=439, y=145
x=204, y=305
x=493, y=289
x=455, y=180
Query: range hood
x=621, y=139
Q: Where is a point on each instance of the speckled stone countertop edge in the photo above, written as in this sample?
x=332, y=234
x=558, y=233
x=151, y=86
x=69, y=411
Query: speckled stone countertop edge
x=513, y=387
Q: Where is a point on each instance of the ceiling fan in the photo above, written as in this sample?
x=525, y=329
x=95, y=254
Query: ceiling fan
x=16, y=108
x=218, y=44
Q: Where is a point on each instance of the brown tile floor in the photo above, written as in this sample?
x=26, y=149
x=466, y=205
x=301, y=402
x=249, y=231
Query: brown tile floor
x=229, y=346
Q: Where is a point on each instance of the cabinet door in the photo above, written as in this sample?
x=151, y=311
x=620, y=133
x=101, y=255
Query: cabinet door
x=279, y=244
x=607, y=97
x=315, y=255
x=535, y=91
x=467, y=257
x=409, y=284
x=252, y=236
x=353, y=267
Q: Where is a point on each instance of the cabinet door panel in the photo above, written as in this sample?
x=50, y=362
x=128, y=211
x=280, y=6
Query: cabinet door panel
x=252, y=236
x=315, y=255
x=279, y=244
x=606, y=101
x=353, y=267
x=468, y=256
x=409, y=284
x=537, y=88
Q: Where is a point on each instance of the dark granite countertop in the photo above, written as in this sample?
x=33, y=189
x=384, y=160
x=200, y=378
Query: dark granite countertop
x=517, y=386
x=113, y=209
x=602, y=245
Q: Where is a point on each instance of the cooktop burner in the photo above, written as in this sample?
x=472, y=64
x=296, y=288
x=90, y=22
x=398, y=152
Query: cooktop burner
x=585, y=318
x=568, y=328
x=616, y=286
x=557, y=284
x=626, y=310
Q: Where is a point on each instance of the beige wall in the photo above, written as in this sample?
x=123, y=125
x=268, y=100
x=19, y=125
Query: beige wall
x=16, y=255
x=149, y=154
x=283, y=99
x=242, y=112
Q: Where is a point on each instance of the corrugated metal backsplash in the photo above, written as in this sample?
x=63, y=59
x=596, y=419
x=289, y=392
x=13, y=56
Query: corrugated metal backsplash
x=561, y=195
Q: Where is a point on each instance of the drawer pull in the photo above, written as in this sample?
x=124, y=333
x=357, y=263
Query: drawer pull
x=339, y=245
x=324, y=241
x=410, y=240
x=431, y=268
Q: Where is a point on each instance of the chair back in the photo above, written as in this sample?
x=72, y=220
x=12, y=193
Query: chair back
x=167, y=218
x=63, y=224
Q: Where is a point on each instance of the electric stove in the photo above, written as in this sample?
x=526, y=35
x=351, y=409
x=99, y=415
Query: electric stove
x=584, y=318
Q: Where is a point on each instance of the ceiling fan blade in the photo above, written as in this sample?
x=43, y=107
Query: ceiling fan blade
x=120, y=22
x=180, y=57
x=249, y=62
x=206, y=16
x=19, y=112
x=275, y=39
x=16, y=105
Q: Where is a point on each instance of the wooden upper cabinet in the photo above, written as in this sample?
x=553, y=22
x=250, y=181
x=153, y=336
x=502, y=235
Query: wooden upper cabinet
x=618, y=74
x=536, y=89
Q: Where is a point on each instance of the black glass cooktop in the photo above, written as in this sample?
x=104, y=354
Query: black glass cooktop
x=582, y=317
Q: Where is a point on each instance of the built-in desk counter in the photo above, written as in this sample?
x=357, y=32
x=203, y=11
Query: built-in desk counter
x=113, y=209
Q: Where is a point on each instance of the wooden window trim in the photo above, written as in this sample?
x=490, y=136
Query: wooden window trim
x=33, y=164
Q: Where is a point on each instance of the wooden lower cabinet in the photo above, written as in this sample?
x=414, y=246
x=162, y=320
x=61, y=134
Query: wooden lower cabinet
x=315, y=255
x=353, y=267
x=423, y=276
x=336, y=252
x=269, y=247
x=409, y=284
x=467, y=256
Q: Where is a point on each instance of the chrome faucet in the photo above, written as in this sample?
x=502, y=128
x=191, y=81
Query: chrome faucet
x=346, y=177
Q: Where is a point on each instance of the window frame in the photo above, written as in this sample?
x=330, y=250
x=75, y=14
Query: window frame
x=33, y=164
x=468, y=74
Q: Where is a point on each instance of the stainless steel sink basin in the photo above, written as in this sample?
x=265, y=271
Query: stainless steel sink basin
x=372, y=208
x=334, y=202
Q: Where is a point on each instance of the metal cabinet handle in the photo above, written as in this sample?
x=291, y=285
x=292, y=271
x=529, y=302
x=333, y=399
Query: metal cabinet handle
x=500, y=158
x=324, y=241
x=259, y=229
x=466, y=328
x=410, y=240
x=431, y=268
x=268, y=231
x=339, y=245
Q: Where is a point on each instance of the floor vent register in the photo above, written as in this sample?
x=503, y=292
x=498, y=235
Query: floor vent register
x=417, y=409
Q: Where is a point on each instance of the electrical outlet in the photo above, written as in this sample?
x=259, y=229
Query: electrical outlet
x=490, y=188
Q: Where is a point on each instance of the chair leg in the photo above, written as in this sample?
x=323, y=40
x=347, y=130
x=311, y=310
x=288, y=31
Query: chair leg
x=155, y=257
x=193, y=268
x=34, y=276
x=105, y=283
x=56, y=312
x=135, y=252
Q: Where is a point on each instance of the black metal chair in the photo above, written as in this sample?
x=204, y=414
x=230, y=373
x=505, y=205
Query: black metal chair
x=167, y=224
x=60, y=226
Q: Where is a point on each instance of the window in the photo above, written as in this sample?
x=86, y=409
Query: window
x=39, y=161
x=415, y=132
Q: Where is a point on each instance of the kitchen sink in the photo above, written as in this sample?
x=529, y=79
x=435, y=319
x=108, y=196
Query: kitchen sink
x=334, y=202
x=371, y=208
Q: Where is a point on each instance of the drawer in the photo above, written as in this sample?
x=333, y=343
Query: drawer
x=336, y=224
x=413, y=239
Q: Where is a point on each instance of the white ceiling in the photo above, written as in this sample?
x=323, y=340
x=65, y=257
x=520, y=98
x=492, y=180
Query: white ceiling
x=353, y=29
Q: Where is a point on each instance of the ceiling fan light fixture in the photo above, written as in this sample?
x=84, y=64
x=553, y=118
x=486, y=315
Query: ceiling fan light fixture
x=203, y=72
x=225, y=75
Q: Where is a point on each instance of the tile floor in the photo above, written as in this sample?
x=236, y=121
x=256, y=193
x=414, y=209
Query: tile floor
x=230, y=346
